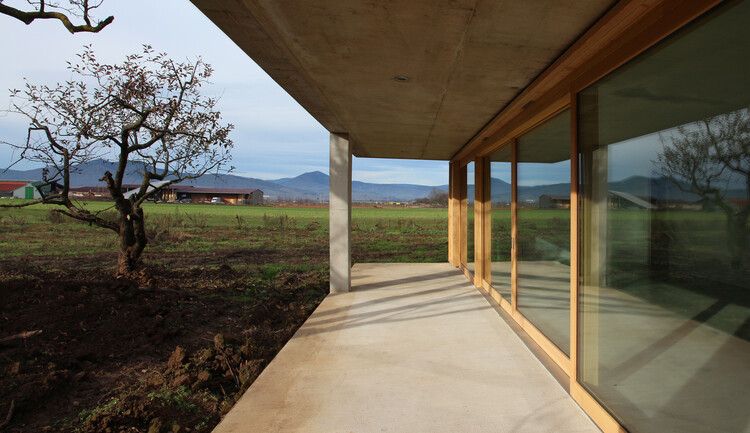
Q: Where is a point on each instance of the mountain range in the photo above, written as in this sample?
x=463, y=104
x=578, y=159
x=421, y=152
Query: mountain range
x=310, y=186
x=314, y=185
x=639, y=186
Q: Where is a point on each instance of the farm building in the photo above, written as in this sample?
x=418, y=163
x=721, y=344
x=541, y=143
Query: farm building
x=201, y=195
x=554, y=201
x=98, y=192
x=174, y=193
x=90, y=192
x=8, y=187
x=26, y=189
x=642, y=317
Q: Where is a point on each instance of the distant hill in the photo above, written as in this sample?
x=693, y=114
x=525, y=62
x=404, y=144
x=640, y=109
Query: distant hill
x=314, y=185
x=315, y=182
x=35, y=174
x=89, y=174
x=388, y=191
x=639, y=186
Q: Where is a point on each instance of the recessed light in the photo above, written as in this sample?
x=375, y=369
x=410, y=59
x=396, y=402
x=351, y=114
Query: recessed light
x=401, y=78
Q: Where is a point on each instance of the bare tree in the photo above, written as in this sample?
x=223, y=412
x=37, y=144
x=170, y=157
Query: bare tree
x=436, y=197
x=62, y=11
x=706, y=159
x=147, y=110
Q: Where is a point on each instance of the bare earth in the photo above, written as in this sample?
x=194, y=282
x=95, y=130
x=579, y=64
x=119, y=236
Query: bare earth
x=169, y=355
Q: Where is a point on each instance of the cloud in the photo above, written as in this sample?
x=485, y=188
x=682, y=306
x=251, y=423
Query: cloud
x=274, y=137
x=400, y=171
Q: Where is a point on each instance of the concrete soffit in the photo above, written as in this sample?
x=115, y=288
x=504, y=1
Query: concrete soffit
x=461, y=61
x=625, y=31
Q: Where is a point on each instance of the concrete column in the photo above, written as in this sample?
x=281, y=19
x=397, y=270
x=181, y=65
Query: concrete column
x=340, y=205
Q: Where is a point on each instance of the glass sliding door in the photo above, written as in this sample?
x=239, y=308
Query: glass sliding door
x=544, y=228
x=470, y=196
x=665, y=266
x=500, y=221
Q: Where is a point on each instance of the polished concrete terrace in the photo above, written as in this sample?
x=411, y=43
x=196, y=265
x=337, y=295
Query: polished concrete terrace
x=413, y=348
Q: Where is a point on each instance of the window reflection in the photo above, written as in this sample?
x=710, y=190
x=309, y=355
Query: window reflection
x=665, y=294
x=500, y=197
x=544, y=228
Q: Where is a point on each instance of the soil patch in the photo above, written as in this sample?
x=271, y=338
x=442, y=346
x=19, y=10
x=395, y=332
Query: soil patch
x=82, y=351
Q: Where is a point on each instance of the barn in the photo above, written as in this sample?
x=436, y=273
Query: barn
x=26, y=189
x=8, y=187
x=554, y=201
x=201, y=195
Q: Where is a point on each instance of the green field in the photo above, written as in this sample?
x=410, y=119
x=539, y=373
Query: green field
x=639, y=242
x=418, y=235
x=683, y=240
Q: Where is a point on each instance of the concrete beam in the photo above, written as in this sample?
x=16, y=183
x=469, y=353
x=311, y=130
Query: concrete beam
x=340, y=205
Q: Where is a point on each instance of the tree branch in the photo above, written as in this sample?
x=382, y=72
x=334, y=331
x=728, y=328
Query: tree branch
x=21, y=204
x=28, y=17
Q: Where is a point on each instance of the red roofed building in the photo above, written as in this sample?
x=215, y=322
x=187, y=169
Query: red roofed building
x=8, y=186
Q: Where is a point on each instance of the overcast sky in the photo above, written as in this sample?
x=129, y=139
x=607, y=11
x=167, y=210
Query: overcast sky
x=274, y=137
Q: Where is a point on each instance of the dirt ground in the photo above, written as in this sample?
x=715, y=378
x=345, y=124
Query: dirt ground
x=82, y=351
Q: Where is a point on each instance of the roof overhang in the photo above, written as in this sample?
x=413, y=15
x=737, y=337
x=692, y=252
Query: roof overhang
x=414, y=79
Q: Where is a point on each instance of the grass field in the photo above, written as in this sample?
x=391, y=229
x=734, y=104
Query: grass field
x=684, y=239
x=378, y=234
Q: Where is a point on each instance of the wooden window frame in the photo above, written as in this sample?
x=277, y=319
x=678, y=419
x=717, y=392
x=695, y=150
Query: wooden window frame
x=628, y=29
x=511, y=306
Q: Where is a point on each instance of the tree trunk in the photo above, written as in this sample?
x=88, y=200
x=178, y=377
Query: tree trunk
x=133, y=240
x=737, y=237
x=741, y=233
x=737, y=229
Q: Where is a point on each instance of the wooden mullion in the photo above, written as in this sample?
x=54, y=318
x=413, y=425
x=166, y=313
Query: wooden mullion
x=451, y=228
x=478, y=222
x=482, y=217
x=462, y=216
x=486, y=221
x=514, y=225
x=454, y=202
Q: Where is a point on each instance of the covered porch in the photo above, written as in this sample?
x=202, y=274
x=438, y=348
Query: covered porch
x=412, y=347
x=637, y=296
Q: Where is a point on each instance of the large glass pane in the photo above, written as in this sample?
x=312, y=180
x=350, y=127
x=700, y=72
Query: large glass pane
x=665, y=294
x=500, y=193
x=544, y=228
x=470, y=217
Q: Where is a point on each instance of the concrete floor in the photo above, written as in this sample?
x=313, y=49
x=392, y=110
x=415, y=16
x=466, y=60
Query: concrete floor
x=413, y=348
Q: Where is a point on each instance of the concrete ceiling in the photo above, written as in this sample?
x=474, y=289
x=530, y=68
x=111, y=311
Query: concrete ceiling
x=464, y=60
